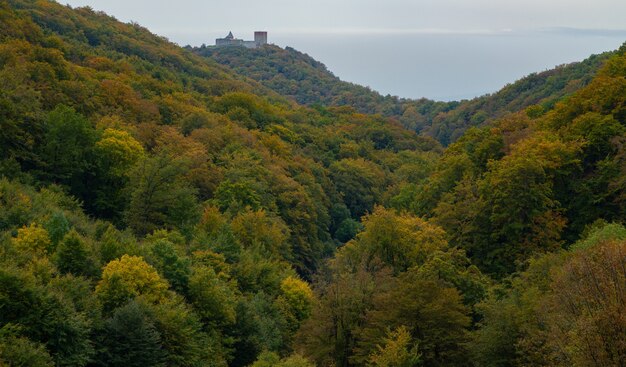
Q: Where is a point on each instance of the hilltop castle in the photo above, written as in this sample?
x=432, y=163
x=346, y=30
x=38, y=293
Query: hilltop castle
x=260, y=39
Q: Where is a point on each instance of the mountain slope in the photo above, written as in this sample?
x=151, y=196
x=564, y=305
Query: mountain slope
x=302, y=78
x=157, y=208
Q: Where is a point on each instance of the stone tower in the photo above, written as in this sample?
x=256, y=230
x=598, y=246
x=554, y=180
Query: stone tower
x=260, y=38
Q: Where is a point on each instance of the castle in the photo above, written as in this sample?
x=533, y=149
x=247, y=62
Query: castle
x=260, y=39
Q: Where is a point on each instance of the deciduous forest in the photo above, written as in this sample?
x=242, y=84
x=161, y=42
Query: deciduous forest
x=169, y=206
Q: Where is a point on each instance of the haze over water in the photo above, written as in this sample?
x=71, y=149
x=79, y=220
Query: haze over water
x=444, y=67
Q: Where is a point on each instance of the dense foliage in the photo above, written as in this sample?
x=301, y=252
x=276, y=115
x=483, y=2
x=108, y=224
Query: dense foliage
x=158, y=209
x=299, y=76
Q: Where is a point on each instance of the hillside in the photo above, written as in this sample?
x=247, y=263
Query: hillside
x=126, y=157
x=307, y=81
x=299, y=76
x=160, y=209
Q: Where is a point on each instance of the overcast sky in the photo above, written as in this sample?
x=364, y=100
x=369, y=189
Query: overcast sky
x=442, y=49
x=184, y=20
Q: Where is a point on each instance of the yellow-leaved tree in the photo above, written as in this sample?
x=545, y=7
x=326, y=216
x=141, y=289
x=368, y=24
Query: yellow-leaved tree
x=296, y=300
x=127, y=278
x=32, y=240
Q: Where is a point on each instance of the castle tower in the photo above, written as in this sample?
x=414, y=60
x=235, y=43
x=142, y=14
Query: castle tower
x=260, y=38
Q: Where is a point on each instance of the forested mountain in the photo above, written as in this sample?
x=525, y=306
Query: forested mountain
x=160, y=209
x=307, y=81
x=136, y=171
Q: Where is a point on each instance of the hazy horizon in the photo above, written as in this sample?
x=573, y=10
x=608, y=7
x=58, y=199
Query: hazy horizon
x=446, y=51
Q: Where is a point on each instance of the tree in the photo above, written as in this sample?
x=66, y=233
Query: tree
x=183, y=341
x=129, y=277
x=557, y=311
x=32, y=240
x=129, y=338
x=174, y=268
x=116, y=153
x=262, y=232
x=329, y=336
x=360, y=182
x=296, y=300
x=432, y=311
x=397, y=350
x=213, y=299
x=237, y=196
x=160, y=197
x=521, y=216
x=399, y=240
x=73, y=256
x=584, y=310
x=68, y=150
x=57, y=227
x=44, y=316
x=271, y=359
x=19, y=351
x=347, y=230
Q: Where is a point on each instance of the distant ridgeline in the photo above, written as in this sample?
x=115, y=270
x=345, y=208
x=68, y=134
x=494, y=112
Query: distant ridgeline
x=260, y=39
x=298, y=76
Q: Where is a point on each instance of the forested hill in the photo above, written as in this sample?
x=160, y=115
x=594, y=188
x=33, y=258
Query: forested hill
x=156, y=208
x=299, y=76
x=160, y=209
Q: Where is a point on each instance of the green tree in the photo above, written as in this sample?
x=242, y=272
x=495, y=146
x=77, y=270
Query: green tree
x=329, y=336
x=68, y=150
x=348, y=229
x=160, y=197
x=271, y=359
x=584, y=308
x=45, y=316
x=237, y=196
x=360, y=182
x=73, y=256
x=57, y=227
x=521, y=216
x=213, y=299
x=130, y=338
x=182, y=339
x=174, y=268
x=19, y=351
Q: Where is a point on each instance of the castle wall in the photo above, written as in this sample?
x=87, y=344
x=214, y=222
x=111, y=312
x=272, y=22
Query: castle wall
x=260, y=39
x=228, y=42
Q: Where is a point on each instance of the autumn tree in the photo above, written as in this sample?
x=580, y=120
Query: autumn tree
x=432, y=311
x=397, y=350
x=129, y=277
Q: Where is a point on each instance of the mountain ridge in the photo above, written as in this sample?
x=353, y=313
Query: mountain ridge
x=302, y=78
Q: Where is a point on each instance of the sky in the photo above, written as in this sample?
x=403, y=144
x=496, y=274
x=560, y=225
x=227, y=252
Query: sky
x=400, y=46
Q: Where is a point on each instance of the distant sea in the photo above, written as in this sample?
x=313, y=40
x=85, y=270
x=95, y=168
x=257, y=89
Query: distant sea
x=446, y=66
